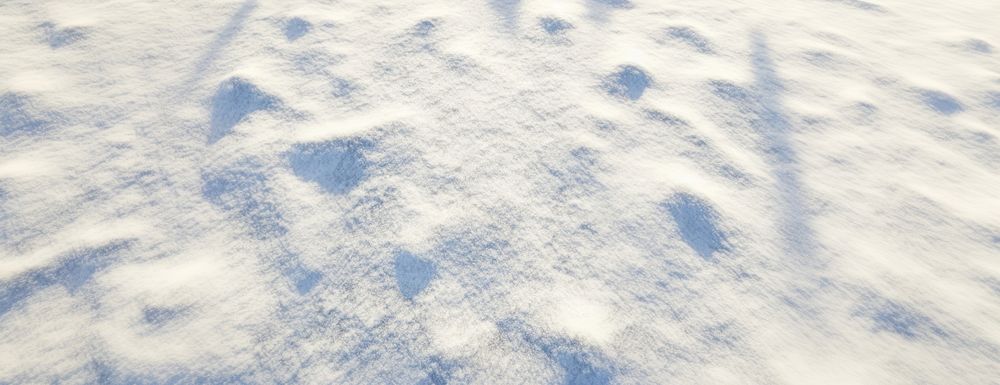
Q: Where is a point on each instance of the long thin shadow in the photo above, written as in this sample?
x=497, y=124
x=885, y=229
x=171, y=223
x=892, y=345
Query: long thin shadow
x=208, y=58
x=598, y=10
x=215, y=48
x=774, y=127
x=508, y=11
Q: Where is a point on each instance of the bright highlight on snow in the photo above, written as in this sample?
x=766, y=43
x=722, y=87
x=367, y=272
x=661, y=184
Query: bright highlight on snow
x=579, y=192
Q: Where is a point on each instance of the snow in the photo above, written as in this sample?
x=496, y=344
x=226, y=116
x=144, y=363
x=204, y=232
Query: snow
x=500, y=191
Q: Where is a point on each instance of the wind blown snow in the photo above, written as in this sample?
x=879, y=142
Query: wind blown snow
x=578, y=192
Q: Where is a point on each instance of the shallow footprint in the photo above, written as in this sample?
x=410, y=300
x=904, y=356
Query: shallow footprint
x=696, y=222
x=337, y=166
x=690, y=37
x=554, y=26
x=18, y=115
x=941, y=102
x=61, y=37
x=296, y=28
x=233, y=102
x=629, y=82
x=413, y=274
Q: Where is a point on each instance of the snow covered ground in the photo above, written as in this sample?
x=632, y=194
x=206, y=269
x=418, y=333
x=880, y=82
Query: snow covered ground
x=500, y=192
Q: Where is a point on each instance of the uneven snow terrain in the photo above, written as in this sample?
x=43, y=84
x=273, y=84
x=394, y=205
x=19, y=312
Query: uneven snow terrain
x=500, y=192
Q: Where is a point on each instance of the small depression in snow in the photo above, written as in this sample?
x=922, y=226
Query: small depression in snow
x=233, y=102
x=296, y=28
x=697, y=224
x=629, y=82
x=337, y=166
x=413, y=274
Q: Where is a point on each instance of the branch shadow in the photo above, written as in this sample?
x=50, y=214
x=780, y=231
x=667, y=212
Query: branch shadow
x=211, y=54
x=509, y=12
x=222, y=39
x=775, y=128
x=599, y=10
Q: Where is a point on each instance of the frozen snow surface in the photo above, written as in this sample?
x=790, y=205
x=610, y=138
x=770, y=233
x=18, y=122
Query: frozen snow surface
x=500, y=192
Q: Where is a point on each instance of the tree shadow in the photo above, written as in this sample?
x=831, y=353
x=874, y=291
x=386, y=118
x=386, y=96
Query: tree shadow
x=773, y=125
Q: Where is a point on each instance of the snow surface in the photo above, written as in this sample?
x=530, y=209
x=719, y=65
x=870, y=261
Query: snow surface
x=500, y=192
